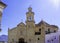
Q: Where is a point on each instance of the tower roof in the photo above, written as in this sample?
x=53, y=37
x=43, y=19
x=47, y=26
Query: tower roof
x=30, y=8
x=3, y=4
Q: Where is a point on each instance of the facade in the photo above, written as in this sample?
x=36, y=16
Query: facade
x=30, y=32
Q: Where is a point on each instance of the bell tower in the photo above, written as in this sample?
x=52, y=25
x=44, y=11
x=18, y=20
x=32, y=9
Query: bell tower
x=30, y=25
x=2, y=6
x=30, y=15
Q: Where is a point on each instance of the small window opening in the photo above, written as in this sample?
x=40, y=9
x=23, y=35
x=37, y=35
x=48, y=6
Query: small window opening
x=38, y=39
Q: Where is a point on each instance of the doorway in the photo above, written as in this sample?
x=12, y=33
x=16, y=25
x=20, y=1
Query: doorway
x=21, y=40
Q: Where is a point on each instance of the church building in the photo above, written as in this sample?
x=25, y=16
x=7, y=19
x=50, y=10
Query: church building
x=30, y=32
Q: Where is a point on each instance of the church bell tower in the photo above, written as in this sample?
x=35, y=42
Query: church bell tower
x=30, y=15
x=30, y=25
x=2, y=6
x=30, y=18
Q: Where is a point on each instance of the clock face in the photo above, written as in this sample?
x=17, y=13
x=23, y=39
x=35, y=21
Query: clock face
x=30, y=18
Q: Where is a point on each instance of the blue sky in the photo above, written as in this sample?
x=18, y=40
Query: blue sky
x=48, y=10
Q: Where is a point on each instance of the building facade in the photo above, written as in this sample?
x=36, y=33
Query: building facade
x=30, y=32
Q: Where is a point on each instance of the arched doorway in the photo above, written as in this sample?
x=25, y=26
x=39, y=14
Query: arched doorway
x=21, y=40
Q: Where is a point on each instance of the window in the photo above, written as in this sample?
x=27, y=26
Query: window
x=48, y=30
x=55, y=37
x=52, y=39
x=54, y=30
x=30, y=18
x=48, y=40
x=40, y=29
x=37, y=33
x=38, y=39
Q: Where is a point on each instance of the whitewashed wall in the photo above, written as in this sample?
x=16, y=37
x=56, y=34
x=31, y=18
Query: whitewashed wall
x=52, y=38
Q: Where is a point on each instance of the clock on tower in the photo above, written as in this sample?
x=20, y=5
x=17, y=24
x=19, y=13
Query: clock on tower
x=30, y=15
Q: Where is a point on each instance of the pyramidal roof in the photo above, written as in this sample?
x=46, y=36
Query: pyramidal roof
x=42, y=22
x=46, y=24
x=1, y=3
